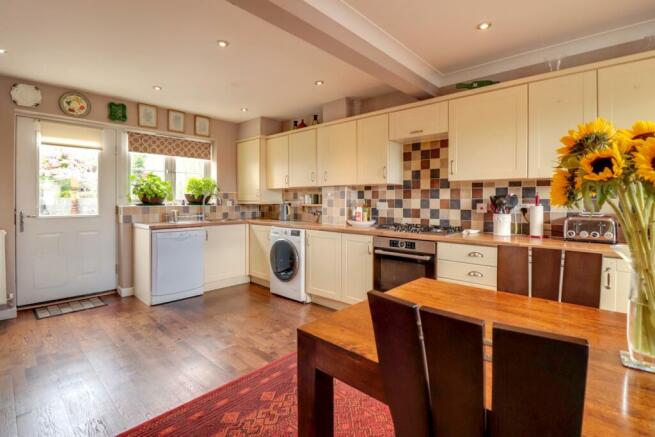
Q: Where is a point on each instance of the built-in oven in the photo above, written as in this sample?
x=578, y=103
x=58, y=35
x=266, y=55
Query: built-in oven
x=398, y=261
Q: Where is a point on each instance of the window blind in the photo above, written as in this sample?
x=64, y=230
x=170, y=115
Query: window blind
x=71, y=135
x=170, y=146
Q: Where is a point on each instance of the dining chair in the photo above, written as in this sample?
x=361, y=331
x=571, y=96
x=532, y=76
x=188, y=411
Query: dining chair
x=538, y=384
x=546, y=273
x=402, y=363
x=513, y=269
x=454, y=356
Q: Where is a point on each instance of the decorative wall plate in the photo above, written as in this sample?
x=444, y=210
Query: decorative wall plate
x=117, y=111
x=74, y=103
x=23, y=94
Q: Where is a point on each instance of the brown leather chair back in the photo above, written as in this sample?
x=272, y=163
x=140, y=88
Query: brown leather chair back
x=402, y=363
x=582, y=278
x=546, y=272
x=539, y=382
x=454, y=355
x=513, y=269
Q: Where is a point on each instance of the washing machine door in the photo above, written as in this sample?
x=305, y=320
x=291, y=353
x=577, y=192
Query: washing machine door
x=284, y=260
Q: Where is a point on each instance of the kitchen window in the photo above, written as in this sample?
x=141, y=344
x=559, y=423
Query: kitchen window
x=173, y=159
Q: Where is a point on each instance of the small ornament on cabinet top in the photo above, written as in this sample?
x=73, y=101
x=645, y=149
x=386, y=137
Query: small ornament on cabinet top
x=117, y=111
x=75, y=104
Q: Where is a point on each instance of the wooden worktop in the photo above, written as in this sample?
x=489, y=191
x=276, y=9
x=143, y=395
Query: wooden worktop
x=619, y=401
x=482, y=239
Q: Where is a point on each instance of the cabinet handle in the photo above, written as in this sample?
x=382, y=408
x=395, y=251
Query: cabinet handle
x=476, y=274
x=313, y=176
x=452, y=161
x=384, y=172
x=417, y=131
x=475, y=255
x=325, y=176
x=370, y=248
x=608, y=278
x=206, y=235
x=286, y=179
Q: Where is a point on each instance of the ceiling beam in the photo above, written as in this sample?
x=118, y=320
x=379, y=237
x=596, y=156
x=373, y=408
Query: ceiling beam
x=337, y=29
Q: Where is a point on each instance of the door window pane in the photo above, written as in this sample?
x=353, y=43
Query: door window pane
x=68, y=181
x=186, y=168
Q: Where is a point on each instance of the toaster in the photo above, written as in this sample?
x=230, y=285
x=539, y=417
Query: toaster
x=591, y=228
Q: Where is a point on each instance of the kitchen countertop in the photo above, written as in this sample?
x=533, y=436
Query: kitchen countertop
x=483, y=239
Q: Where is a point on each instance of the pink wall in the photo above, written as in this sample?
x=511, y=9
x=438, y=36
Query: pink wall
x=223, y=133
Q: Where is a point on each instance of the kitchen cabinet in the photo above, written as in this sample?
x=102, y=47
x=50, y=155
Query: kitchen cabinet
x=615, y=285
x=379, y=160
x=277, y=162
x=356, y=267
x=339, y=266
x=323, y=264
x=302, y=159
x=251, y=173
x=467, y=264
x=626, y=92
x=337, y=154
x=259, y=252
x=557, y=105
x=422, y=122
x=488, y=135
x=226, y=256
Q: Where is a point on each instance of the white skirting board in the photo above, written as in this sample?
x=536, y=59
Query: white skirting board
x=9, y=313
x=227, y=282
x=125, y=292
x=263, y=282
x=335, y=305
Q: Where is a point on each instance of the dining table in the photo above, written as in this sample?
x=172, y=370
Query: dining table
x=619, y=401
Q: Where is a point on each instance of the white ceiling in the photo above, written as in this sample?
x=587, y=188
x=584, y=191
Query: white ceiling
x=443, y=33
x=122, y=48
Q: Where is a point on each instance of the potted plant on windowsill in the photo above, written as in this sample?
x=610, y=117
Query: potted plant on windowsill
x=200, y=191
x=599, y=165
x=150, y=189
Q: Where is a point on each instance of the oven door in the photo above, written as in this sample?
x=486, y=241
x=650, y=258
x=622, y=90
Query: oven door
x=393, y=268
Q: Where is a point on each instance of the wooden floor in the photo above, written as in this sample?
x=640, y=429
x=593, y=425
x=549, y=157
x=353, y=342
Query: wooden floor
x=101, y=371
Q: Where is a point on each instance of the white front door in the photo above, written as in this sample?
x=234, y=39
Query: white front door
x=65, y=211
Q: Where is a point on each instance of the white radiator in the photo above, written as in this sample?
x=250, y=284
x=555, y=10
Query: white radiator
x=3, y=271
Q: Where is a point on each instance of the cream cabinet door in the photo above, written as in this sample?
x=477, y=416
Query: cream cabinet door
x=323, y=258
x=488, y=135
x=225, y=255
x=277, y=150
x=259, y=251
x=557, y=105
x=337, y=154
x=248, y=171
x=356, y=267
x=302, y=159
x=422, y=121
x=626, y=93
x=379, y=161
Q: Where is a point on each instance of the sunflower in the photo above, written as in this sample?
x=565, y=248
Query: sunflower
x=564, y=188
x=629, y=139
x=603, y=165
x=644, y=159
x=596, y=133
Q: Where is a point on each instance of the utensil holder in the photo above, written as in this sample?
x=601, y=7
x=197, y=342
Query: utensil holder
x=502, y=225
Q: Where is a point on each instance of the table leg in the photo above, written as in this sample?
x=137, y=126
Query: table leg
x=315, y=393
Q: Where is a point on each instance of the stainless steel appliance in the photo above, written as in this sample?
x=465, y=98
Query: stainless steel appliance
x=285, y=211
x=591, y=228
x=398, y=261
x=418, y=229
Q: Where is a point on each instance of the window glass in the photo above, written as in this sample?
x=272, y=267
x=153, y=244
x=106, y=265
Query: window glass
x=141, y=163
x=68, y=181
x=186, y=168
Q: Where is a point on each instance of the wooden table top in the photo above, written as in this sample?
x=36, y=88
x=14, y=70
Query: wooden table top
x=619, y=401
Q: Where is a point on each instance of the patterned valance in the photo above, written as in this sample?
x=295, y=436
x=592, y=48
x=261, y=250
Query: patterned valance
x=171, y=146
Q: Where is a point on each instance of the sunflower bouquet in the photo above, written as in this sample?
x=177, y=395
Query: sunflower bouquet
x=600, y=165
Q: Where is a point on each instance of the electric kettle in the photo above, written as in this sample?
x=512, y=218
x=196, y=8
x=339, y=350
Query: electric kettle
x=285, y=211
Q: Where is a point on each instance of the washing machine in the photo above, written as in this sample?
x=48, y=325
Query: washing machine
x=287, y=263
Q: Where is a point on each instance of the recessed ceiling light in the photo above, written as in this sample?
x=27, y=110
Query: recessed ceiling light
x=157, y=88
x=3, y=51
x=244, y=109
x=319, y=82
x=485, y=25
x=222, y=43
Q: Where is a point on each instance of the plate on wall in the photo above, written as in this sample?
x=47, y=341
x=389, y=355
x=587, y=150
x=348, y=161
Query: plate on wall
x=75, y=104
x=26, y=95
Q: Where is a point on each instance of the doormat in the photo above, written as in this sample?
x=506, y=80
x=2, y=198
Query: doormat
x=60, y=309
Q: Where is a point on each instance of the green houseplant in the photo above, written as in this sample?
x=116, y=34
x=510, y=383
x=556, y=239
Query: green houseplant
x=151, y=189
x=199, y=191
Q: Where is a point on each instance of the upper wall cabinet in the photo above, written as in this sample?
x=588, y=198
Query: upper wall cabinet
x=557, y=105
x=379, y=160
x=422, y=122
x=626, y=92
x=488, y=135
x=277, y=164
x=302, y=159
x=251, y=173
x=337, y=154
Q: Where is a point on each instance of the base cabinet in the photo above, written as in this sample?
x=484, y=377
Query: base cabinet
x=226, y=256
x=615, y=285
x=339, y=266
x=259, y=251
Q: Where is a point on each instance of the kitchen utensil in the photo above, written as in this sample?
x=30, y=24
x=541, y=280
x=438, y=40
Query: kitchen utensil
x=285, y=211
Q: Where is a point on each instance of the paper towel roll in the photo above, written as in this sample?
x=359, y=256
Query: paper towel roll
x=537, y=221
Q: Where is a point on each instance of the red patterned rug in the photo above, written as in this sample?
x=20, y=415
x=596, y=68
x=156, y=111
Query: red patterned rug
x=264, y=403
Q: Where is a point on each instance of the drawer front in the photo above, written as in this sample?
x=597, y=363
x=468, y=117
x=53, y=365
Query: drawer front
x=467, y=253
x=464, y=272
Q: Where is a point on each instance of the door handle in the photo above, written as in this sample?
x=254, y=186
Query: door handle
x=21, y=221
x=313, y=176
x=286, y=179
x=608, y=278
x=417, y=131
x=325, y=176
x=384, y=172
x=475, y=274
x=452, y=161
x=475, y=255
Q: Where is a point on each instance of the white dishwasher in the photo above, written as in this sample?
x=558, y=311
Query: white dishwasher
x=177, y=264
